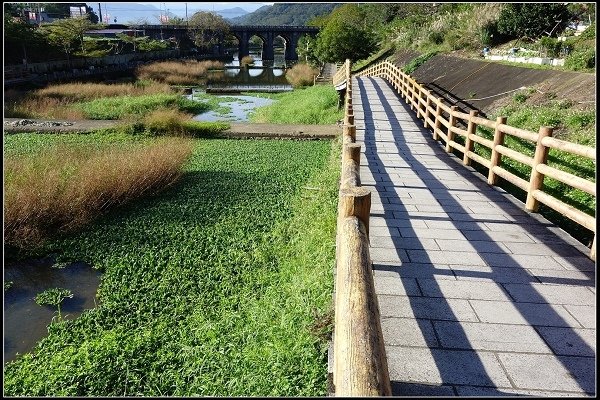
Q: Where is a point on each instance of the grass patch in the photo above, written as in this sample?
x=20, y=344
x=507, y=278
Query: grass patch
x=57, y=189
x=120, y=107
x=312, y=105
x=216, y=287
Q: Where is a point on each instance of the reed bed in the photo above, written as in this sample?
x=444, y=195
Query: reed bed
x=60, y=191
x=55, y=101
x=187, y=72
x=301, y=75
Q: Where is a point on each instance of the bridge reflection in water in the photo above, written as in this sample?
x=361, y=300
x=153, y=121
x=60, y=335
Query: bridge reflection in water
x=255, y=78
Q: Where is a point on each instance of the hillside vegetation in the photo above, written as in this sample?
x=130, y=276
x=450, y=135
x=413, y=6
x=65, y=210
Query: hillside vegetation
x=285, y=14
x=360, y=31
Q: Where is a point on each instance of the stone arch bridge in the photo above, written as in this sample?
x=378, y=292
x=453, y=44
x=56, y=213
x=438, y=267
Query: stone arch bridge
x=290, y=35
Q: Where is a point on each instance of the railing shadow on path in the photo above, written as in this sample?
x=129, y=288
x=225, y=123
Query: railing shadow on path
x=511, y=283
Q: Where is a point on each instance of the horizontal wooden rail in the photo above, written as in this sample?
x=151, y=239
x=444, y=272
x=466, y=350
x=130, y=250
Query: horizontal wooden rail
x=359, y=359
x=444, y=121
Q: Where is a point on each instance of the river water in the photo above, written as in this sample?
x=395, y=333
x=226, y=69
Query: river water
x=26, y=322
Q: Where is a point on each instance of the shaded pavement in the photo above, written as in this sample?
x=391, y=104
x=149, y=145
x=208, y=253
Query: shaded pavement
x=477, y=296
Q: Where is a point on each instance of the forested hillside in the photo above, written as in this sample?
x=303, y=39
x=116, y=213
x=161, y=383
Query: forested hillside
x=285, y=14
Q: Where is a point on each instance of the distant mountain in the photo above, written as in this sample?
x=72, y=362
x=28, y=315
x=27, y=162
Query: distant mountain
x=135, y=12
x=285, y=14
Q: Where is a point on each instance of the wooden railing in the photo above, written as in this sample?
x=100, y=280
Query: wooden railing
x=432, y=110
x=359, y=359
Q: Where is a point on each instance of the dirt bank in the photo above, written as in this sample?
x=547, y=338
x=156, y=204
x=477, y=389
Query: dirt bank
x=236, y=130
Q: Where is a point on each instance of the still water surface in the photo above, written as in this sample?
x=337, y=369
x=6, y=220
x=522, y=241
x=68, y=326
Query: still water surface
x=26, y=322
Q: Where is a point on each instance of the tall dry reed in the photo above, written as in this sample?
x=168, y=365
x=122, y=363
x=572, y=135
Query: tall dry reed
x=62, y=190
x=54, y=101
x=186, y=72
x=301, y=75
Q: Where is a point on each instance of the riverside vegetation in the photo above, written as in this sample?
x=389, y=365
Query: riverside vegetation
x=217, y=256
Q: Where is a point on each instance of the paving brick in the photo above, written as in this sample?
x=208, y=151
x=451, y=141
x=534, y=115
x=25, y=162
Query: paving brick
x=586, y=315
x=500, y=236
x=578, y=263
x=570, y=341
x=554, y=294
x=547, y=372
x=396, y=285
x=492, y=274
x=520, y=261
x=408, y=332
x=430, y=233
x=543, y=249
x=425, y=307
x=444, y=257
x=382, y=254
x=495, y=337
x=462, y=289
x=406, y=389
x=502, y=312
x=403, y=243
x=412, y=270
x=555, y=276
x=436, y=366
x=476, y=391
x=473, y=246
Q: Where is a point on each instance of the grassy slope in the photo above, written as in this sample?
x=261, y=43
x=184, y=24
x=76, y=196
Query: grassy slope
x=210, y=288
x=312, y=105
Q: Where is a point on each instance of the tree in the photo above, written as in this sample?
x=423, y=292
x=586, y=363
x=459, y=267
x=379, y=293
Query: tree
x=64, y=9
x=18, y=34
x=345, y=35
x=207, y=29
x=67, y=33
x=533, y=20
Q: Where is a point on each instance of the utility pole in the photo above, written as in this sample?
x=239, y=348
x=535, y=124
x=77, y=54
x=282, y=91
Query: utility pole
x=100, y=12
x=186, y=17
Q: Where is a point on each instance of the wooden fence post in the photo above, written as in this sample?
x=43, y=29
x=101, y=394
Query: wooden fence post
x=471, y=130
x=351, y=152
x=438, y=122
x=495, y=158
x=427, y=107
x=418, y=101
x=349, y=133
x=536, y=180
x=356, y=202
x=450, y=134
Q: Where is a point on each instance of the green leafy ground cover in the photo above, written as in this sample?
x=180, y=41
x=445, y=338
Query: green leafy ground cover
x=219, y=286
x=311, y=105
x=119, y=107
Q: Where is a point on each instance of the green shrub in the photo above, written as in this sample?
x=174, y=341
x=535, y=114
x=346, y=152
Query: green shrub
x=416, y=62
x=550, y=46
x=436, y=37
x=520, y=97
x=581, y=59
x=589, y=33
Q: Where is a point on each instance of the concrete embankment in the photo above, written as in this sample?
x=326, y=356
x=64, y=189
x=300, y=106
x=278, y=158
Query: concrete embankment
x=484, y=85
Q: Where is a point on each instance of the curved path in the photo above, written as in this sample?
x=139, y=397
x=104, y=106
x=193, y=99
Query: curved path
x=477, y=296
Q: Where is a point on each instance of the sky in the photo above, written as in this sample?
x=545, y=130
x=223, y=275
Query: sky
x=124, y=12
x=209, y=5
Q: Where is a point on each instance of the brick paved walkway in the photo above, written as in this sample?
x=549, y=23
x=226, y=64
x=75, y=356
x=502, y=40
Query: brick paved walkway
x=477, y=296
